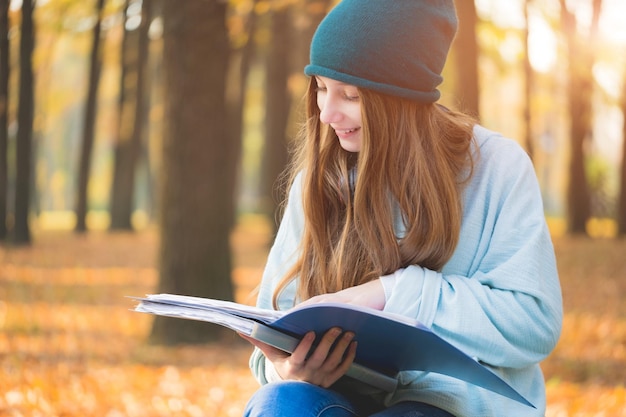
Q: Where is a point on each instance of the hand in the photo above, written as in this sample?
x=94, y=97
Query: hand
x=371, y=294
x=328, y=362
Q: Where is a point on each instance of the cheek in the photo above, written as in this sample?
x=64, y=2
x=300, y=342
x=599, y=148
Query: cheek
x=355, y=114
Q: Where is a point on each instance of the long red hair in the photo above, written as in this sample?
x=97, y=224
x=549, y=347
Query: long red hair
x=413, y=162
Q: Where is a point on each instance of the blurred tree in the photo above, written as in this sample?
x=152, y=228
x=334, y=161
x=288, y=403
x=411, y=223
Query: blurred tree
x=528, y=87
x=89, y=125
x=580, y=54
x=199, y=164
x=242, y=54
x=132, y=104
x=4, y=114
x=25, y=114
x=277, y=106
x=122, y=156
x=466, y=57
x=621, y=204
x=292, y=27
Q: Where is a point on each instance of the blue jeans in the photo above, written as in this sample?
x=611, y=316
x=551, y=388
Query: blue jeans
x=300, y=399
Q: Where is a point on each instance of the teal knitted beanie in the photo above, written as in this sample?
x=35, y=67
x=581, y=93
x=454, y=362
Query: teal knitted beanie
x=396, y=47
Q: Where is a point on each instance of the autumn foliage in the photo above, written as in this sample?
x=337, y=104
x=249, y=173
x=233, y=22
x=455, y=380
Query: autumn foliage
x=70, y=346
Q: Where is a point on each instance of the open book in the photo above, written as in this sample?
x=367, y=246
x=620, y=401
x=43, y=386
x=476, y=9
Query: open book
x=387, y=343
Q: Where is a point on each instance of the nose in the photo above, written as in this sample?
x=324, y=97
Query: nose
x=329, y=109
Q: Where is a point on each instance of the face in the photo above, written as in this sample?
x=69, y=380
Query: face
x=340, y=108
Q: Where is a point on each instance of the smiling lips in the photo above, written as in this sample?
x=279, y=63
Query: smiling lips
x=345, y=132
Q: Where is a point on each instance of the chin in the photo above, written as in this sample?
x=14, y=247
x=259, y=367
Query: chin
x=351, y=147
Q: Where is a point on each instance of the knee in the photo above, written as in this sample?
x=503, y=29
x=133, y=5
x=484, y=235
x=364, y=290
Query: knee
x=272, y=398
x=294, y=398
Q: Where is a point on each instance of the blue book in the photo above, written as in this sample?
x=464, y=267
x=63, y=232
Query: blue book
x=387, y=343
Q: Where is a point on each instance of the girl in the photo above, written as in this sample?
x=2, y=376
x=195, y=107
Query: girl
x=399, y=204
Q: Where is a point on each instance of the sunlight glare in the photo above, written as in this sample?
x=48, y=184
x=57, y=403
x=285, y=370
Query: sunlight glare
x=612, y=21
x=502, y=13
x=609, y=78
x=542, y=44
x=16, y=5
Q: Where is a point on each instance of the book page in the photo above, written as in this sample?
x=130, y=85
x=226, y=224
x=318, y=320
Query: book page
x=233, y=322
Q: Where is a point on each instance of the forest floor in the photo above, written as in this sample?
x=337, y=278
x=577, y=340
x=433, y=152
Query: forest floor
x=70, y=346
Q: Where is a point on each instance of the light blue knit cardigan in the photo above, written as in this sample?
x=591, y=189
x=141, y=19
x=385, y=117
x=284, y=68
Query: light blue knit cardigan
x=498, y=298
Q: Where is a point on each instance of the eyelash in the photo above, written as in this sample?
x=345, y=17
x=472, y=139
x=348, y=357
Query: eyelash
x=347, y=97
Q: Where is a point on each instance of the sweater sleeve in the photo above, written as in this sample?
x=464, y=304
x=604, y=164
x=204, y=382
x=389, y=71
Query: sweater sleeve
x=498, y=298
x=282, y=256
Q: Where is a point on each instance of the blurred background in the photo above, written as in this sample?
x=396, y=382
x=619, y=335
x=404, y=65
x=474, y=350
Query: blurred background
x=549, y=74
x=141, y=146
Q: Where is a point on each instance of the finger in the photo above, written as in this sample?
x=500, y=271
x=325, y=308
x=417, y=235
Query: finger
x=338, y=352
x=301, y=352
x=254, y=341
x=319, y=355
x=270, y=352
x=343, y=367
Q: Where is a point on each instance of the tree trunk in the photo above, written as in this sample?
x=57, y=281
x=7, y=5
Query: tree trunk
x=308, y=19
x=292, y=32
x=199, y=165
x=131, y=108
x=621, y=204
x=89, y=125
x=240, y=62
x=23, y=173
x=528, y=87
x=124, y=121
x=4, y=114
x=580, y=92
x=278, y=106
x=466, y=50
